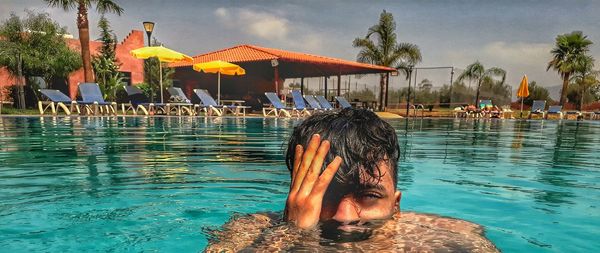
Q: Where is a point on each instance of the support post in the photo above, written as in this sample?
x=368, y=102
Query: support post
x=387, y=85
x=326, y=88
x=450, y=91
x=276, y=76
x=302, y=86
x=339, y=86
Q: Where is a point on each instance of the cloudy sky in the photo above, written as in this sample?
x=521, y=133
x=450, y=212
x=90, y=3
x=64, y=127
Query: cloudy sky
x=516, y=35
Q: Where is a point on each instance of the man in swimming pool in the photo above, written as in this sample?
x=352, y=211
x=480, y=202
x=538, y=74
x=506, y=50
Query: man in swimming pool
x=343, y=196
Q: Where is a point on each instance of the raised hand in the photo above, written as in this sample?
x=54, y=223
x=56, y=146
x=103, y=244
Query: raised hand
x=304, y=201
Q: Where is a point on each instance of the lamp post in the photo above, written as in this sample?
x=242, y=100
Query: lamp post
x=149, y=27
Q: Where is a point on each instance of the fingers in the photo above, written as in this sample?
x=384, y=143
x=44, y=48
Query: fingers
x=326, y=177
x=315, y=168
x=297, y=158
x=306, y=160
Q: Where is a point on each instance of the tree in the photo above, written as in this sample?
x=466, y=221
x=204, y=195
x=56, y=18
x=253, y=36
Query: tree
x=477, y=72
x=380, y=47
x=106, y=65
x=585, y=78
x=536, y=92
x=568, y=50
x=152, y=77
x=35, y=47
x=82, y=6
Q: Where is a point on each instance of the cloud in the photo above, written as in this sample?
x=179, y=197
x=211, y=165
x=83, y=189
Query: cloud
x=269, y=27
x=531, y=54
x=259, y=24
x=517, y=58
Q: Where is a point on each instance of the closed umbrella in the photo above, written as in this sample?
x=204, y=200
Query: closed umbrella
x=523, y=91
x=219, y=67
x=164, y=55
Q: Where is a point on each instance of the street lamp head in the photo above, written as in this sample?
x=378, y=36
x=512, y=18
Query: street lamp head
x=148, y=26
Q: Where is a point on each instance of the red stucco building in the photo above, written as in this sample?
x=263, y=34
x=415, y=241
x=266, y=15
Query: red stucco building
x=132, y=68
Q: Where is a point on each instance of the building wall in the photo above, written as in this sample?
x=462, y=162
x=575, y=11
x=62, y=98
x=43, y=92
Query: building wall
x=134, y=40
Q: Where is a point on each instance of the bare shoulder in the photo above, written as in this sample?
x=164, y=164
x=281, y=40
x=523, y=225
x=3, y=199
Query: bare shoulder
x=240, y=231
x=448, y=223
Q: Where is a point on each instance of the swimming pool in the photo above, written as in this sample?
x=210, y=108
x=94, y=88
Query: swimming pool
x=154, y=184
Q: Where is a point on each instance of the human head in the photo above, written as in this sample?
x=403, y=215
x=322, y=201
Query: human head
x=364, y=187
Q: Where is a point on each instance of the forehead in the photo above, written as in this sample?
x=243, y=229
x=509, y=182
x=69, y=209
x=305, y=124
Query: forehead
x=383, y=177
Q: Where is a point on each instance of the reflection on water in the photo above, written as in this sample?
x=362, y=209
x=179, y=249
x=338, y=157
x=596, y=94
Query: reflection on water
x=153, y=183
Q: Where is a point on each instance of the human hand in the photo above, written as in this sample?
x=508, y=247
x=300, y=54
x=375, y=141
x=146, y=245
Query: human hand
x=304, y=201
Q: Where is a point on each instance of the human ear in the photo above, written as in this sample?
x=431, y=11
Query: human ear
x=397, y=197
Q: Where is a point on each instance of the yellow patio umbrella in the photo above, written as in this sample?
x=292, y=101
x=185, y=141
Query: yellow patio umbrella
x=164, y=55
x=523, y=91
x=219, y=67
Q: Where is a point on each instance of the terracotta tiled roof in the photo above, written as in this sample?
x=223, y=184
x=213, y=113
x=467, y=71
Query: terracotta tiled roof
x=251, y=53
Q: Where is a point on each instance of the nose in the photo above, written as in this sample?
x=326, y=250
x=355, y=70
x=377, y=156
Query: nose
x=347, y=211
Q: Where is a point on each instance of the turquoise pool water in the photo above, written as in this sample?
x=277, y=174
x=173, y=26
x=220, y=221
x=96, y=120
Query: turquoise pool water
x=152, y=184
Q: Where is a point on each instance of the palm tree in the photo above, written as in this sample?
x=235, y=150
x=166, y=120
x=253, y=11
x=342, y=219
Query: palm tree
x=380, y=47
x=477, y=72
x=568, y=49
x=585, y=76
x=102, y=6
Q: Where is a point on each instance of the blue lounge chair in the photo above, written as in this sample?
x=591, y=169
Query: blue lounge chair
x=276, y=106
x=182, y=103
x=210, y=106
x=343, y=102
x=299, y=105
x=538, y=108
x=140, y=102
x=57, y=100
x=554, y=110
x=312, y=101
x=94, y=102
x=485, y=103
x=325, y=105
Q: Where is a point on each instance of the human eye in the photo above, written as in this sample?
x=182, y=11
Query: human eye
x=369, y=197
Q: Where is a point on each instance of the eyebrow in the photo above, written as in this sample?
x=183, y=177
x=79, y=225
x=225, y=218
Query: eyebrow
x=369, y=186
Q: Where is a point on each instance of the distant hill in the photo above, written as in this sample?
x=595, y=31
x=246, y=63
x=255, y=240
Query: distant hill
x=555, y=91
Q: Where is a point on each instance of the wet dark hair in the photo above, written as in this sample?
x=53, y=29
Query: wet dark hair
x=358, y=136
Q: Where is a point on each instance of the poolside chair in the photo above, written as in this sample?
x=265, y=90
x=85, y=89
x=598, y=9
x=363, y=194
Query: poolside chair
x=210, y=106
x=312, y=101
x=182, y=102
x=538, y=108
x=554, y=110
x=93, y=101
x=299, y=105
x=276, y=107
x=57, y=100
x=325, y=105
x=343, y=102
x=140, y=102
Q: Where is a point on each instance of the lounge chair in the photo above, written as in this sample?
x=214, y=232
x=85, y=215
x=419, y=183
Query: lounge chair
x=299, y=105
x=210, y=106
x=554, y=110
x=343, y=102
x=276, y=106
x=93, y=101
x=577, y=114
x=182, y=102
x=57, y=100
x=312, y=101
x=538, y=108
x=140, y=102
x=325, y=105
x=460, y=112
